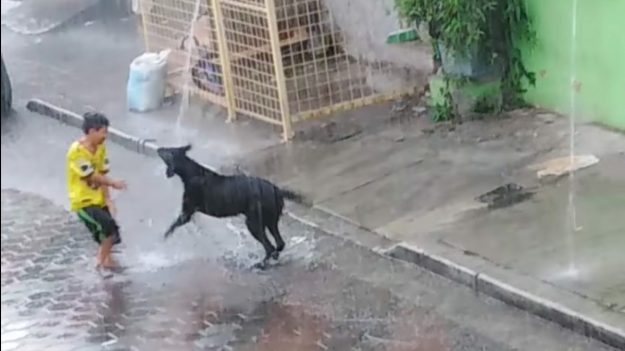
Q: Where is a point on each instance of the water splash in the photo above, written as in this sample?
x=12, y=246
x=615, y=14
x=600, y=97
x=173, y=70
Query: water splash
x=184, y=103
x=573, y=226
x=156, y=260
x=570, y=273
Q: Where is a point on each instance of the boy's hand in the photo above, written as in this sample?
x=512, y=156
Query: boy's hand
x=118, y=184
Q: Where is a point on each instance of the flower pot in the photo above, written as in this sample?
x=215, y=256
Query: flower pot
x=473, y=65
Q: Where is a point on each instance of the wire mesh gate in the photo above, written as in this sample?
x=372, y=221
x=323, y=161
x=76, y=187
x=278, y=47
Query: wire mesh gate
x=279, y=61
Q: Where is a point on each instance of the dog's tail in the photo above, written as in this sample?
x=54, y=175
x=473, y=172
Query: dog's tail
x=295, y=196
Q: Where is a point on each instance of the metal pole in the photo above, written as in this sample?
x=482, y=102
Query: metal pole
x=274, y=37
x=224, y=59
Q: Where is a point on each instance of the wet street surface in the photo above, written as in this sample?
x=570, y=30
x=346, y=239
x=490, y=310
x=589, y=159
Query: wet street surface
x=197, y=291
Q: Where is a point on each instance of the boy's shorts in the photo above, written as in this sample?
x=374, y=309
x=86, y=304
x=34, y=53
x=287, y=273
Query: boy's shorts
x=100, y=223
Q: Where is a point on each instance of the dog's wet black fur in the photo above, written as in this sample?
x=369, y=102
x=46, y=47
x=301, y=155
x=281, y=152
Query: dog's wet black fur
x=217, y=195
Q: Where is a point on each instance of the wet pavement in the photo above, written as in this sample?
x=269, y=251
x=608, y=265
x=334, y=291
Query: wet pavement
x=538, y=239
x=34, y=17
x=398, y=182
x=197, y=291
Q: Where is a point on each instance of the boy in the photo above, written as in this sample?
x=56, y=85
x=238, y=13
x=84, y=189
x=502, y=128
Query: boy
x=88, y=185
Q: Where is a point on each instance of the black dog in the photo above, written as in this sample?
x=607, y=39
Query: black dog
x=208, y=192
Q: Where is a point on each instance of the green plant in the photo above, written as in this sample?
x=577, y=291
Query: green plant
x=497, y=28
x=457, y=24
x=511, y=30
x=444, y=110
x=484, y=105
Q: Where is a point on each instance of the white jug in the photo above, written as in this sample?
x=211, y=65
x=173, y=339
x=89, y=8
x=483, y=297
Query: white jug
x=146, y=81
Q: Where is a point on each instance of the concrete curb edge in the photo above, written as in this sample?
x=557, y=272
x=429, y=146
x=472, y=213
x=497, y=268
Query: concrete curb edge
x=143, y=146
x=485, y=284
x=479, y=282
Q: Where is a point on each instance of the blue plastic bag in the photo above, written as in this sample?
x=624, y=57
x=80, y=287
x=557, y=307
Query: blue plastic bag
x=146, y=82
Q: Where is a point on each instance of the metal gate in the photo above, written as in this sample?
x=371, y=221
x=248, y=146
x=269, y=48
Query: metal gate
x=279, y=61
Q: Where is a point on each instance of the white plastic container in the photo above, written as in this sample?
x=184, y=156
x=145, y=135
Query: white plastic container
x=146, y=81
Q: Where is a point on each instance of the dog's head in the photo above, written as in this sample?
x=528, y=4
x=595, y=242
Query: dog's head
x=173, y=158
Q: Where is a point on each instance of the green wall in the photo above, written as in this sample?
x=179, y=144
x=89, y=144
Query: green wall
x=600, y=58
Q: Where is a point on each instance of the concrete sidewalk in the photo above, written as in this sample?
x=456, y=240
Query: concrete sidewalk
x=35, y=17
x=418, y=187
x=407, y=183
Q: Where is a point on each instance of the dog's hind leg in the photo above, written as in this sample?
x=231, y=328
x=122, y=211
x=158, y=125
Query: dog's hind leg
x=257, y=229
x=275, y=232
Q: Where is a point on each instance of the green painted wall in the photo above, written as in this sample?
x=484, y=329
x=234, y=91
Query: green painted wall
x=600, y=58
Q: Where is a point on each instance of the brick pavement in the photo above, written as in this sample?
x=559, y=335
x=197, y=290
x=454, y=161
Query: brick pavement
x=49, y=299
x=52, y=298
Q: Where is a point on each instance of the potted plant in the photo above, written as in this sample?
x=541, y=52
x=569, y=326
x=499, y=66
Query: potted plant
x=458, y=29
x=475, y=39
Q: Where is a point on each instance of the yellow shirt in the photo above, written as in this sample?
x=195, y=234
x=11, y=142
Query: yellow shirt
x=81, y=163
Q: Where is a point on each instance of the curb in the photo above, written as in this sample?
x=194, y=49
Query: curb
x=485, y=284
x=142, y=146
x=479, y=282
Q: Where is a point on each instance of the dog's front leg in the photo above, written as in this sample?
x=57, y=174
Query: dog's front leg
x=182, y=219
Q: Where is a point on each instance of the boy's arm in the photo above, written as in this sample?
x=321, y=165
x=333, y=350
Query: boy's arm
x=109, y=201
x=102, y=167
x=85, y=169
x=103, y=164
x=107, y=194
x=102, y=180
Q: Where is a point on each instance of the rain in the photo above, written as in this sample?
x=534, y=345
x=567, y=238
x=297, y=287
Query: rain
x=419, y=234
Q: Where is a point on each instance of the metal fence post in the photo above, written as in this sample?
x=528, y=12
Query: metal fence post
x=144, y=25
x=274, y=37
x=224, y=56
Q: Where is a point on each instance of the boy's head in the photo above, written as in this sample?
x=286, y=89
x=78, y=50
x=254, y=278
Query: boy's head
x=95, y=126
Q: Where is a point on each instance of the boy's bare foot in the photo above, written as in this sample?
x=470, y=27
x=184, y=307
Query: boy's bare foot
x=109, y=263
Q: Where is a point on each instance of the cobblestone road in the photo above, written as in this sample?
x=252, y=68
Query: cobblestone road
x=53, y=300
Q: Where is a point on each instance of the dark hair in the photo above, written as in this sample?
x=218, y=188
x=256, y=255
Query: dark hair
x=94, y=120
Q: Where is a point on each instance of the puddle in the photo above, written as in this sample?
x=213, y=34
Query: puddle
x=8, y=5
x=14, y=335
x=505, y=196
x=19, y=325
x=9, y=346
x=297, y=240
x=154, y=261
x=217, y=335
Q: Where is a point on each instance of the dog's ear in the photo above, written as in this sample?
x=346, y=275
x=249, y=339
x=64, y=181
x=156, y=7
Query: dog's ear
x=186, y=148
x=170, y=172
